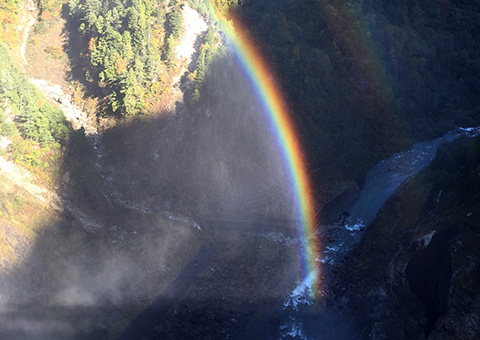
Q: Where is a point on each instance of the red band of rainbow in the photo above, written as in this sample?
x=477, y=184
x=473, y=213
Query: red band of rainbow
x=260, y=77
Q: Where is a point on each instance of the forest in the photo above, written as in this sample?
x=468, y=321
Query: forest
x=363, y=79
x=128, y=52
x=367, y=78
x=129, y=46
x=38, y=129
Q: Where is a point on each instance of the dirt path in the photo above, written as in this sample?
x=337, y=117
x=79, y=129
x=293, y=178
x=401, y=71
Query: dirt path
x=25, y=26
x=25, y=38
x=20, y=176
x=55, y=92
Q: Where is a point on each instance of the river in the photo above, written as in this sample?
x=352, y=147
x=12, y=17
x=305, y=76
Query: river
x=302, y=318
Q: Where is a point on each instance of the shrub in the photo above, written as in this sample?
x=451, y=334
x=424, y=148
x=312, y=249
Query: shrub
x=40, y=27
x=8, y=129
x=55, y=52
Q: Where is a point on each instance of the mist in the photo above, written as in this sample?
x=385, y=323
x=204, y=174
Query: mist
x=216, y=160
x=173, y=226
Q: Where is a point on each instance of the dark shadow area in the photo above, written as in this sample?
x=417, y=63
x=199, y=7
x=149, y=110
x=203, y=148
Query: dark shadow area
x=336, y=210
x=413, y=274
x=212, y=321
x=74, y=45
x=148, y=276
x=366, y=79
x=183, y=227
x=214, y=162
x=177, y=227
x=429, y=272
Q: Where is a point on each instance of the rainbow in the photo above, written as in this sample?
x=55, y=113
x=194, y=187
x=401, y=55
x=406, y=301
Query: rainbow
x=262, y=81
x=368, y=62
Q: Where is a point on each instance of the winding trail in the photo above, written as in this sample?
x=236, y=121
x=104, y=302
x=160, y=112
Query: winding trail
x=21, y=176
x=25, y=38
x=29, y=19
x=14, y=172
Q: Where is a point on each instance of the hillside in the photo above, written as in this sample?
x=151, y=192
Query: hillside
x=84, y=236
x=143, y=194
x=369, y=78
x=426, y=281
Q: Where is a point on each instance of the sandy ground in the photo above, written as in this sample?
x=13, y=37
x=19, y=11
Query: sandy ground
x=193, y=26
x=21, y=177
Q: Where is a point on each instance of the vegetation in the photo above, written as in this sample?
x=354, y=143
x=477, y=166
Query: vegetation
x=42, y=126
x=49, y=9
x=209, y=50
x=129, y=46
x=37, y=119
x=174, y=26
x=221, y=6
x=364, y=78
x=367, y=78
x=8, y=22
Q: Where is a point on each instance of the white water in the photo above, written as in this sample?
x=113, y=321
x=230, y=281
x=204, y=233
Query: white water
x=183, y=218
x=381, y=182
x=301, y=295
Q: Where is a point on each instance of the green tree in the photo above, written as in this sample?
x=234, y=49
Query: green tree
x=121, y=52
x=132, y=94
x=8, y=129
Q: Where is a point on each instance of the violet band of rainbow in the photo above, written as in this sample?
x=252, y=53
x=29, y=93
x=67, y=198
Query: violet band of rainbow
x=262, y=81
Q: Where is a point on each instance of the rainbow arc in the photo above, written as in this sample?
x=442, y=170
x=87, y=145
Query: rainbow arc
x=262, y=81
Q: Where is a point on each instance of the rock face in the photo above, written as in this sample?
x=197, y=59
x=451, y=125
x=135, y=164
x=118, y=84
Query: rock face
x=193, y=26
x=429, y=272
x=72, y=113
x=416, y=272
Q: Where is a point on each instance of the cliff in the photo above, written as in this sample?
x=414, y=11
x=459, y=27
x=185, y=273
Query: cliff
x=426, y=279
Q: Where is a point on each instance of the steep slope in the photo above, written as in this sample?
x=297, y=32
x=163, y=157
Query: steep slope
x=121, y=239
x=426, y=280
x=24, y=207
x=365, y=79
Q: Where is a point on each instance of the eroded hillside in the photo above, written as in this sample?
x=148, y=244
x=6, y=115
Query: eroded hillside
x=426, y=281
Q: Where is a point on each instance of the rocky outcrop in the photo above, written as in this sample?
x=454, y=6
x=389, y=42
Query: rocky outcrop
x=429, y=273
x=416, y=272
x=72, y=113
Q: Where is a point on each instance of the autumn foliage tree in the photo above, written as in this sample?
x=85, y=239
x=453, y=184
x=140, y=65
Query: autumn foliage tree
x=123, y=55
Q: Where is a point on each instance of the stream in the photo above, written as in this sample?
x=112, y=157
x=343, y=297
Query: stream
x=305, y=320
